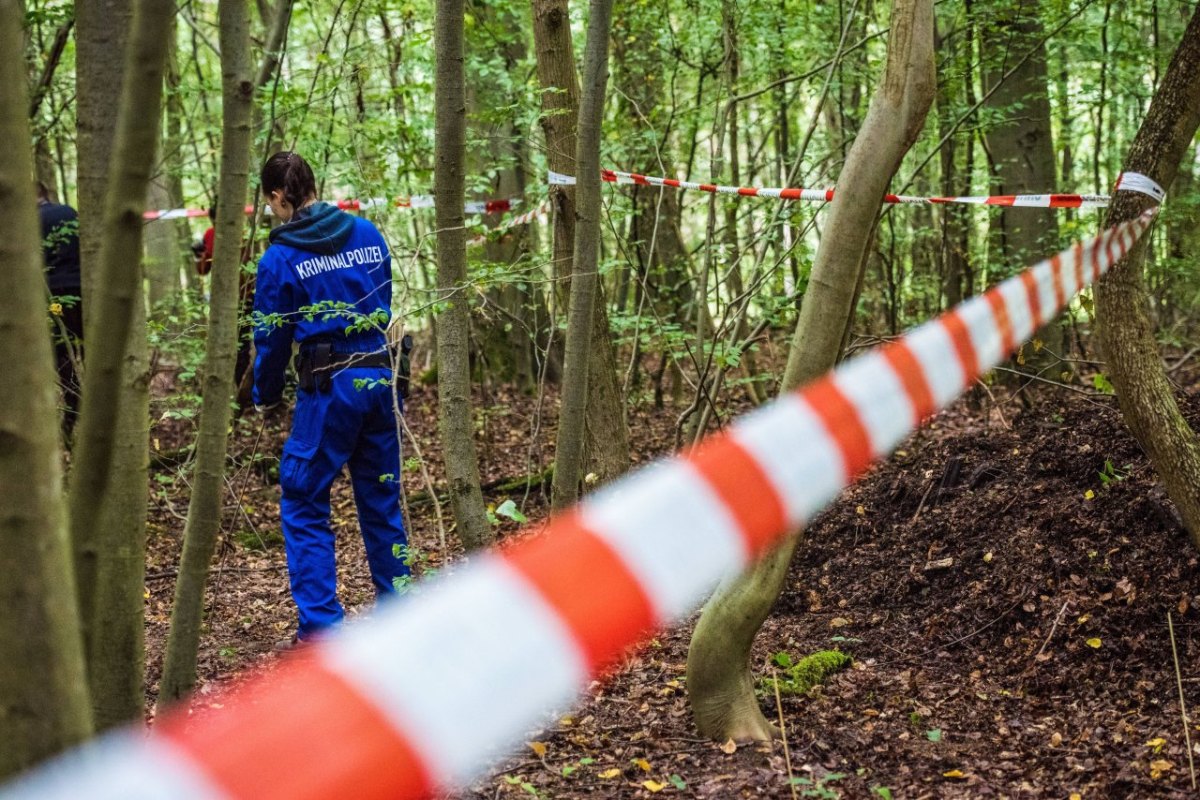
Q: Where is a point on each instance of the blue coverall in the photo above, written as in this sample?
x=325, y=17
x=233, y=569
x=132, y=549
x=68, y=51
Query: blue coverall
x=327, y=278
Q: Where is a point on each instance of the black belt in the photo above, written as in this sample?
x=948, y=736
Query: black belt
x=315, y=364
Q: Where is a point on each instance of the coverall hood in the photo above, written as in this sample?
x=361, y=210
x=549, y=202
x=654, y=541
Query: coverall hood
x=319, y=228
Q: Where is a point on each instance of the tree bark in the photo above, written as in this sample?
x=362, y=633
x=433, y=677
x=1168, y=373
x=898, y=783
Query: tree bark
x=208, y=479
x=43, y=689
x=568, y=456
x=606, y=443
x=720, y=683
x=456, y=420
x=108, y=479
x=162, y=246
x=1147, y=400
x=1021, y=143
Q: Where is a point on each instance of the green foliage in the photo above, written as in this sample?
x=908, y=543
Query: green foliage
x=799, y=677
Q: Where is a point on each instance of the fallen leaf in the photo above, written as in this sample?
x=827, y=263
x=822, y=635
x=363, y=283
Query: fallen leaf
x=1156, y=743
x=539, y=748
x=643, y=764
x=838, y=622
x=654, y=786
x=730, y=747
x=1075, y=796
x=860, y=511
x=1094, y=643
x=1055, y=739
x=954, y=773
x=609, y=773
x=1089, y=494
x=987, y=557
x=1159, y=768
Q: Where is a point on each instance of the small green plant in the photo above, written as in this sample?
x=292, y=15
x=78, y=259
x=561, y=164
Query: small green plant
x=799, y=677
x=819, y=787
x=882, y=791
x=506, y=509
x=1110, y=474
x=519, y=780
x=417, y=562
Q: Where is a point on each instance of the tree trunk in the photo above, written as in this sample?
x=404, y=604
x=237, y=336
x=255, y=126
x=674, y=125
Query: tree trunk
x=208, y=479
x=1020, y=143
x=162, y=246
x=108, y=478
x=568, y=455
x=1147, y=401
x=43, y=691
x=456, y=420
x=606, y=442
x=720, y=683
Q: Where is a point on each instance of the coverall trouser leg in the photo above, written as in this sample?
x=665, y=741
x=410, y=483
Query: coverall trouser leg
x=347, y=424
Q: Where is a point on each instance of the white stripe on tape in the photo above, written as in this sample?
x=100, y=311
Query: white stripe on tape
x=933, y=349
x=874, y=389
x=673, y=533
x=798, y=455
x=1031, y=200
x=119, y=766
x=976, y=314
x=1135, y=182
x=558, y=179
x=1016, y=301
x=434, y=664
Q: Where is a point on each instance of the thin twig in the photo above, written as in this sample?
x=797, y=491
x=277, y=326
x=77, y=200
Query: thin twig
x=1187, y=738
x=1053, y=628
x=787, y=756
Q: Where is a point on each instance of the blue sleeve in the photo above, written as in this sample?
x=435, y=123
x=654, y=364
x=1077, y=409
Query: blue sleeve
x=385, y=291
x=273, y=326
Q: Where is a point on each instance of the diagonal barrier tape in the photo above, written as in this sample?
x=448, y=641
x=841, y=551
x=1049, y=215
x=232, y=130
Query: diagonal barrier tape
x=517, y=221
x=426, y=694
x=1126, y=181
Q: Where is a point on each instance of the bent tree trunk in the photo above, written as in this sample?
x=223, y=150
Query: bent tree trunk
x=719, y=680
x=1147, y=401
x=43, y=693
x=204, y=508
x=568, y=455
x=108, y=478
x=454, y=370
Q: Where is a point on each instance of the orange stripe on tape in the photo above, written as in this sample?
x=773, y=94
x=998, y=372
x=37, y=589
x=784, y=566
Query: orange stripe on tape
x=1079, y=266
x=743, y=486
x=843, y=424
x=1060, y=297
x=995, y=301
x=956, y=329
x=300, y=732
x=588, y=585
x=912, y=377
x=1032, y=296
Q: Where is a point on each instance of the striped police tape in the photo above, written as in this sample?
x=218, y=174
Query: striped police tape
x=435, y=687
x=825, y=195
x=356, y=204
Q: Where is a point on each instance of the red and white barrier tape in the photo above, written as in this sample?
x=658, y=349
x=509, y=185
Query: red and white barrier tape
x=435, y=687
x=825, y=195
x=520, y=219
x=359, y=204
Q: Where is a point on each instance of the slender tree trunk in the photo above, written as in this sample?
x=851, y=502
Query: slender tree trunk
x=568, y=456
x=720, y=683
x=43, y=691
x=453, y=342
x=1147, y=400
x=108, y=479
x=162, y=246
x=208, y=479
x=1021, y=143
x=606, y=442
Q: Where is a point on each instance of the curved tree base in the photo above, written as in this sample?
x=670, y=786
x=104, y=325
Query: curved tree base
x=719, y=679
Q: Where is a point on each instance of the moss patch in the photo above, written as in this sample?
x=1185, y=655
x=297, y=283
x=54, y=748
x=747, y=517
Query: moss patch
x=801, y=676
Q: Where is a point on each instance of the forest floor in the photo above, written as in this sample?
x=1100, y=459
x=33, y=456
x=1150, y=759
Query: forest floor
x=1002, y=583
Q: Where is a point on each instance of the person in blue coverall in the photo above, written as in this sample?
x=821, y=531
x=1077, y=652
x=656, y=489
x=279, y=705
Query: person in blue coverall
x=325, y=283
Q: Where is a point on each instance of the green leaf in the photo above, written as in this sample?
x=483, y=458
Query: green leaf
x=678, y=782
x=934, y=735
x=509, y=509
x=1102, y=383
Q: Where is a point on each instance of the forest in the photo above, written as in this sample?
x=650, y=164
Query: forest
x=480, y=399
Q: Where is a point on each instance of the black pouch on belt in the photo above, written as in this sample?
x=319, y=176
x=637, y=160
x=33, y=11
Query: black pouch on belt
x=312, y=367
x=404, y=370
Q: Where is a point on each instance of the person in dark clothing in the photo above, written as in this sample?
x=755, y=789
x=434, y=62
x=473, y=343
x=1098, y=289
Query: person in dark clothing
x=323, y=258
x=60, y=250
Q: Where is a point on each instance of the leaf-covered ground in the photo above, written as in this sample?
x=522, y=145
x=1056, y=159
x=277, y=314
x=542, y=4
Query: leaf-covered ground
x=1003, y=584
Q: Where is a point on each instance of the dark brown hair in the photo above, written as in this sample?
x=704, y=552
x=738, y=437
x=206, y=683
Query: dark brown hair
x=291, y=173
